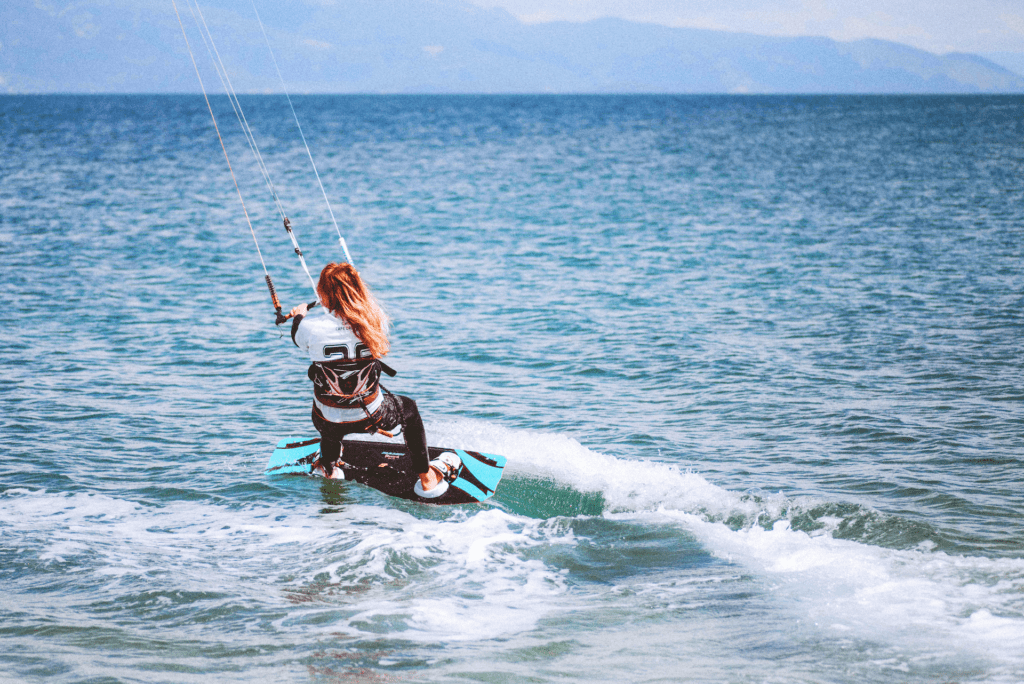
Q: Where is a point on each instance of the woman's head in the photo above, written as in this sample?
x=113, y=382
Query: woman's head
x=343, y=292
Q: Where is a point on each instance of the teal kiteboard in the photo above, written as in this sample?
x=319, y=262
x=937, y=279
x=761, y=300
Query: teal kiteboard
x=387, y=467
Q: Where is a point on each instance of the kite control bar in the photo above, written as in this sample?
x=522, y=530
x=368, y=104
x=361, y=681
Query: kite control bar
x=281, y=318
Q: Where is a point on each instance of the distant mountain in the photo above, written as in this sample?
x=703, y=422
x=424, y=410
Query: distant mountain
x=445, y=46
x=1014, y=61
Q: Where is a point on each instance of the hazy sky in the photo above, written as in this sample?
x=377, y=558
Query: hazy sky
x=935, y=25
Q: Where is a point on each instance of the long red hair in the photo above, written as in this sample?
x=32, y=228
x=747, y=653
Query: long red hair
x=345, y=294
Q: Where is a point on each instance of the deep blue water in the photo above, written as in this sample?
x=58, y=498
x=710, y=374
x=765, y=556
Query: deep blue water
x=757, y=364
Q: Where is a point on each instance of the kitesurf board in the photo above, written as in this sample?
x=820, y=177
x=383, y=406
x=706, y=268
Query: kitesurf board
x=387, y=467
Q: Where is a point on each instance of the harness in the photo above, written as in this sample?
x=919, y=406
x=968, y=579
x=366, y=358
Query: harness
x=350, y=383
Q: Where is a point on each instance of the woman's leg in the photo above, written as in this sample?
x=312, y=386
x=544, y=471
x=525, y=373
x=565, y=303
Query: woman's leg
x=330, y=440
x=330, y=452
x=415, y=435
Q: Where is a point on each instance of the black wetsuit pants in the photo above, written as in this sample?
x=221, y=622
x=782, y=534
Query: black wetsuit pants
x=396, y=410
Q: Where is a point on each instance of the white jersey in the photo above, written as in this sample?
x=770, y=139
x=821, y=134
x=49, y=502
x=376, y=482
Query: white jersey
x=327, y=338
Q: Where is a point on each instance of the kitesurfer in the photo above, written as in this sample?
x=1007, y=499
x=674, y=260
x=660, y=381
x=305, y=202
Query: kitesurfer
x=345, y=346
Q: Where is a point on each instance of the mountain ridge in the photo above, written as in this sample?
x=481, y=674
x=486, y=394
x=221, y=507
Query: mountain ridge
x=450, y=46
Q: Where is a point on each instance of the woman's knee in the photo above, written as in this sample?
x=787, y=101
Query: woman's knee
x=409, y=407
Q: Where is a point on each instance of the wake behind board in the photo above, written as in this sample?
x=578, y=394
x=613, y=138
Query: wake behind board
x=387, y=467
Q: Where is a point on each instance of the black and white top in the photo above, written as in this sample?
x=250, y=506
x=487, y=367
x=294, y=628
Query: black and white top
x=346, y=377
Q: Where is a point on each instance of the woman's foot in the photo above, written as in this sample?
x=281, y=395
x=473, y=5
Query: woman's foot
x=335, y=473
x=434, y=482
x=430, y=479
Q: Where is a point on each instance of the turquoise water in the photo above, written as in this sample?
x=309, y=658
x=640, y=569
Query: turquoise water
x=756, y=364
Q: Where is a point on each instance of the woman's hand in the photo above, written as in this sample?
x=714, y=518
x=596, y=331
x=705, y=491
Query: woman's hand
x=300, y=310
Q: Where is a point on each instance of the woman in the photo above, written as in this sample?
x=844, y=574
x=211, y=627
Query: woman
x=345, y=346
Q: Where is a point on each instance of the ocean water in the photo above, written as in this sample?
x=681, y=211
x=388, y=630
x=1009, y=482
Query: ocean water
x=757, y=364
